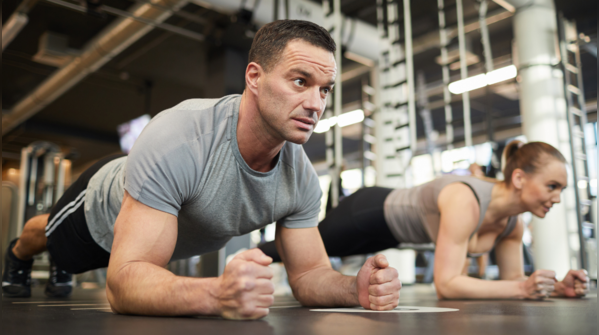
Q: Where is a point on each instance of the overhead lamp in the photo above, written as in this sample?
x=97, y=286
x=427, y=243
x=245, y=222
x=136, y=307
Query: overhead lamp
x=482, y=80
x=499, y=75
x=350, y=118
x=343, y=120
x=325, y=124
x=468, y=84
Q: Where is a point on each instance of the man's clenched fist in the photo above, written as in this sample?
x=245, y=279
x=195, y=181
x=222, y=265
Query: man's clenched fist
x=378, y=284
x=245, y=289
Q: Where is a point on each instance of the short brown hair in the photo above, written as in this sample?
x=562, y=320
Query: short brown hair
x=528, y=157
x=272, y=38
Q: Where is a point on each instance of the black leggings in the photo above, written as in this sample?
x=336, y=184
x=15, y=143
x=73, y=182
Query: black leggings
x=357, y=226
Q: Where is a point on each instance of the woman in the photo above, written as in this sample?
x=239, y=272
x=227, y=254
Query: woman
x=463, y=216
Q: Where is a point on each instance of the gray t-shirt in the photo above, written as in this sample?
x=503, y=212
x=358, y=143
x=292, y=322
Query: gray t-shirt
x=187, y=163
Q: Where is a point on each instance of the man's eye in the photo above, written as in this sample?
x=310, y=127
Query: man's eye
x=326, y=91
x=552, y=187
x=299, y=82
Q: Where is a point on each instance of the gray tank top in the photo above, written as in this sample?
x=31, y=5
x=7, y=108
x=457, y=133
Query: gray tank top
x=413, y=214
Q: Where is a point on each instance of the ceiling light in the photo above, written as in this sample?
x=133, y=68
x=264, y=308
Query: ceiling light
x=325, y=124
x=468, y=84
x=343, y=120
x=350, y=118
x=482, y=80
x=502, y=74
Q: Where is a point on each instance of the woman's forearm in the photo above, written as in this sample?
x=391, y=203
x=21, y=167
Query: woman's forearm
x=463, y=287
x=147, y=289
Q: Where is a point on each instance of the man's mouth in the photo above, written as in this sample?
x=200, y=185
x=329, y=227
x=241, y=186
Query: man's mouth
x=304, y=122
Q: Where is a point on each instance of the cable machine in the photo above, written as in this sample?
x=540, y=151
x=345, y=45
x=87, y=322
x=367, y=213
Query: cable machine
x=43, y=171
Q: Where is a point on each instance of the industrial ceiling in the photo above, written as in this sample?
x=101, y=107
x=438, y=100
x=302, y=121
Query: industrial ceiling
x=206, y=58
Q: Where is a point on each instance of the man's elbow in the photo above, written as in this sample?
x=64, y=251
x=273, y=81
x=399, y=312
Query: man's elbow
x=113, y=298
x=115, y=282
x=300, y=294
x=297, y=292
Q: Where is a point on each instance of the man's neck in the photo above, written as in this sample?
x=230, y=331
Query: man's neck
x=504, y=203
x=257, y=144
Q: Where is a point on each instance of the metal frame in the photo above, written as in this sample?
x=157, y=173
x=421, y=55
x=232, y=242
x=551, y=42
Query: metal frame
x=577, y=120
x=464, y=74
x=334, y=139
x=396, y=121
x=444, y=41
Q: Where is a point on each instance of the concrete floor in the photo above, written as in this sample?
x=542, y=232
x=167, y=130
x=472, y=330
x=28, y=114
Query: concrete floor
x=87, y=312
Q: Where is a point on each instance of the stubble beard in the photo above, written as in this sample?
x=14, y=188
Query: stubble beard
x=279, y=128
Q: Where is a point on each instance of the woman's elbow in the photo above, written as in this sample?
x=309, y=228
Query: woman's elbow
x=443, y=291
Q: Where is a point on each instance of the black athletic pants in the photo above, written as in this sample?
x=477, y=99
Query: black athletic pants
x=69, y=241
x=357, y=226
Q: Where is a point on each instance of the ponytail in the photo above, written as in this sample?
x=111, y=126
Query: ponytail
x=528, y=157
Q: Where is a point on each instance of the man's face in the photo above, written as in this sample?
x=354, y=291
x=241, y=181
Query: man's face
x=292, y=96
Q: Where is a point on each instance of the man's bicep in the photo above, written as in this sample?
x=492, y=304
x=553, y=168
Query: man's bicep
x=301, y=250
x=143, y=234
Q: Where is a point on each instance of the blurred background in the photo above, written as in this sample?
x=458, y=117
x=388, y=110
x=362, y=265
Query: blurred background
x=426, y=88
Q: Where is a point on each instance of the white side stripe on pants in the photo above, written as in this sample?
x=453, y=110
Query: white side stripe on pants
x=66, y=211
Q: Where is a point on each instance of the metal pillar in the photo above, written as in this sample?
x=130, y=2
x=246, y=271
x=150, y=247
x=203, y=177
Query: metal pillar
x=464, y=74
x=444, y=41
x=369, y=108
x=427, y=119
x=334, y=154
x=407, y=17
x=396, y=121
x=542, y=106
x=486, y=42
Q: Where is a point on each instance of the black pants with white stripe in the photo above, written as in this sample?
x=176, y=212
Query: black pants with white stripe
x=69, y=241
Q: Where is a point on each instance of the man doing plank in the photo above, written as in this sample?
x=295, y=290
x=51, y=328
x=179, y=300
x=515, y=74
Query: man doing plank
x=200, y=173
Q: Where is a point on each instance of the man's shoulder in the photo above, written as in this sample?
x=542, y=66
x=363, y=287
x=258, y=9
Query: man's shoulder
x=192, y=125
x=194, y=117
x=199, y=109
x=204, y=104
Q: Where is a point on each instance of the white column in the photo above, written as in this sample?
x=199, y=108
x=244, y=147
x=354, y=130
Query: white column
x=543, y=111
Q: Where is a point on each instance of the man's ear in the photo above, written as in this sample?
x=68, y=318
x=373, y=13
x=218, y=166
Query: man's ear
x=253, y=73
x=518, y=178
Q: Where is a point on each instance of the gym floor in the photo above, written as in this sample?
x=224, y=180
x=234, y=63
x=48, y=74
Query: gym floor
x=87, y=312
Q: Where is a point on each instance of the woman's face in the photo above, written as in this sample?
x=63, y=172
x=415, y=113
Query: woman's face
x=542, y=189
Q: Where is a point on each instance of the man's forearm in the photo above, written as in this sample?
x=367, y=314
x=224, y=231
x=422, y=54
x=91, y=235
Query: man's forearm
x=325, y=287
x=147, y=289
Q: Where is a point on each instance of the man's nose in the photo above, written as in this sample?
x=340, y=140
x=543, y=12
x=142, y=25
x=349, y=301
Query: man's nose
x=312, y=101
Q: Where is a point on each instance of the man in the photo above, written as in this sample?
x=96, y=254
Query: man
x=200, y=173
